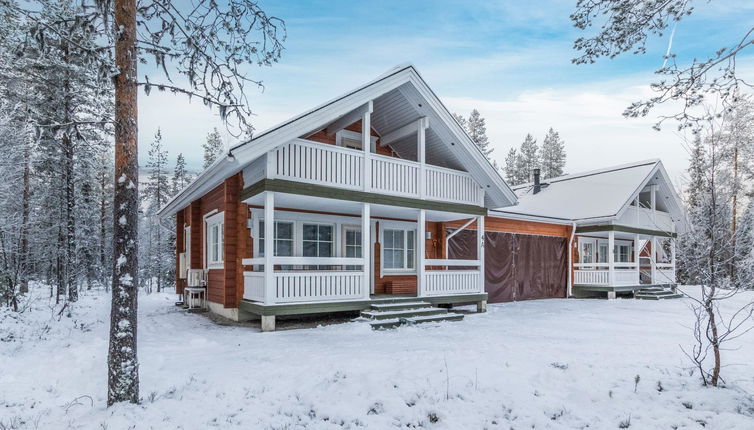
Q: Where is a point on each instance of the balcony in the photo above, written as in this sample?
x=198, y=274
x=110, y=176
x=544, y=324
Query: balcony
x=648, y=219
x=333, y=166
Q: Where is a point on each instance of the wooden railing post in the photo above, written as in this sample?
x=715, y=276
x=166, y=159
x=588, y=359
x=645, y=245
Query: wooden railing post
x=421, y=156
x=420, y=242
x=269, y=246
x=366, y=247
x=366, y=144
x=611, y=257
x=480, y=250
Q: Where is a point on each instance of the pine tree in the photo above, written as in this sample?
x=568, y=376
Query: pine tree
x=213, y=148
x=529, y=159
x=478, y=132
x=511, y=167
x=461, y=121
x=553, y=155
x=156, y=193
x=181, y=177
x=696, y=171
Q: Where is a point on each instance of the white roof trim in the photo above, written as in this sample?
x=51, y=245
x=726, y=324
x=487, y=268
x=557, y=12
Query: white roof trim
x=243, y=154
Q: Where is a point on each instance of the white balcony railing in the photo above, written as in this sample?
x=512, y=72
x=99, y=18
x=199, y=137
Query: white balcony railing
x=644, y=218
x=448, y=282
x=318, y=163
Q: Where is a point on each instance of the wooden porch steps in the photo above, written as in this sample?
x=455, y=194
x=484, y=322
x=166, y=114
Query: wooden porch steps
x=390, y=315
x=656, y=293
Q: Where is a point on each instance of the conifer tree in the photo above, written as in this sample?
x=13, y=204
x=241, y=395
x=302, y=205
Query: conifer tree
x=553, y=155
x=478, y=132
x=511, y=167
x=181, y=176
x=528, y=159
x=213, y=148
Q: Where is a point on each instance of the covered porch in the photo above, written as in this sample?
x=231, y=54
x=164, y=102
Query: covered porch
x=615, y=259
x=320, y=261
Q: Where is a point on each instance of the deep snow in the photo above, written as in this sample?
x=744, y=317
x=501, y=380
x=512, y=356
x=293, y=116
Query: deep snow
x=546, y=364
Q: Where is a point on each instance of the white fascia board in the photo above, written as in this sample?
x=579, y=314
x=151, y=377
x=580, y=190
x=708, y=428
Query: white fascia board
x=210, y=178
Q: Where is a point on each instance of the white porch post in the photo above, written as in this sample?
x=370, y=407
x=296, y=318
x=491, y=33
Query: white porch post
x=672, y=256
x=637, y=257
x=269, y=246
x=421, y=156
x=653, y=193
x=611, y=257
x=366, y=249
x=480, y=250
x=420, y=242
x=366, y=145
x=653, y=259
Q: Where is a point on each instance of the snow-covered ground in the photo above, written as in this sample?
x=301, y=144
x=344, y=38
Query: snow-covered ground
x=546, y=364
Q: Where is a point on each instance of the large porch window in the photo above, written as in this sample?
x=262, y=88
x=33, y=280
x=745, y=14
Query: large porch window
x=283, y=246
x=398, y=247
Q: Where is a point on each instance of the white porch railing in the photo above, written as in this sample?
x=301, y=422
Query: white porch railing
x=664, y=273
x=443, y=282
x=305, y=286
x=447, y=282
x=318, y=163
x=293, y=286
x=599, y=274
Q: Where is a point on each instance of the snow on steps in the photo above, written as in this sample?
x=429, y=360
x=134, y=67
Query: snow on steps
x=656, y=293
x=390, y=315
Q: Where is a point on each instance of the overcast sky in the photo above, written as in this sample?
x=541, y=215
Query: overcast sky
x=510, y=61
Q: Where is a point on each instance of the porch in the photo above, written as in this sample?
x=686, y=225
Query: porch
x=619, y=261
x=340, y=259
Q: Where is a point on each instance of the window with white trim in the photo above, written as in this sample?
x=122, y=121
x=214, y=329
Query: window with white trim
x=352, y=244
x=214, y=230
x=283, y=246
x=398, y=247
x=351, y=139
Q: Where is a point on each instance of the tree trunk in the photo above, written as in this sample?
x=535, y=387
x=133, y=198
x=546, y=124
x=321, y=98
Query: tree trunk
x=123, y=366
x=102, y=227
x=70, y=221
x=24, y=248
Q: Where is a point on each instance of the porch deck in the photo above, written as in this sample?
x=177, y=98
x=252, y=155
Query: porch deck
x=262, y=309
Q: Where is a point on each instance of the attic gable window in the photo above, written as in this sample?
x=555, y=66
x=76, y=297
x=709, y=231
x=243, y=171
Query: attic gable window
x=352, y=139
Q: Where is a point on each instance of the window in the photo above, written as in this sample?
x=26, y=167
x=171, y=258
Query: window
x=352, y=244
x=586, y=254
x=283, y=246
x=187, y=245
x=398, y=247
x=214, y=230
x=622, y=253
x=351, y=139
x=602, y=252
x=317, y=240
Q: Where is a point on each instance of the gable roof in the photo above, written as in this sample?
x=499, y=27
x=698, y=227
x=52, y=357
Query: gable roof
x=404, y=78
x=594, y=196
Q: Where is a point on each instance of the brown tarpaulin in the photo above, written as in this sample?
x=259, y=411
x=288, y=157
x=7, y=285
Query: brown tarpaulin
x=517, y=266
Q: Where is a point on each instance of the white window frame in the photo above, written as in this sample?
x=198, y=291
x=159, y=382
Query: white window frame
x=187, y=245
x=405, y=229
x=211, y=220
x=333, y=239
x=352, y=135
x=258, y=250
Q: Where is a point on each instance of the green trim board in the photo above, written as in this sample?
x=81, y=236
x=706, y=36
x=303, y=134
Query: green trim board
x=300, y=188
x=624, y=229
x=257, y=308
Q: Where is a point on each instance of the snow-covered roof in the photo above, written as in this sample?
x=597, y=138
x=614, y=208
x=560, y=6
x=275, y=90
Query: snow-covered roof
x=465, y=152
x=594, y=196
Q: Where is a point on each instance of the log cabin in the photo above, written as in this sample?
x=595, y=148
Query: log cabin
x=378, y=201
